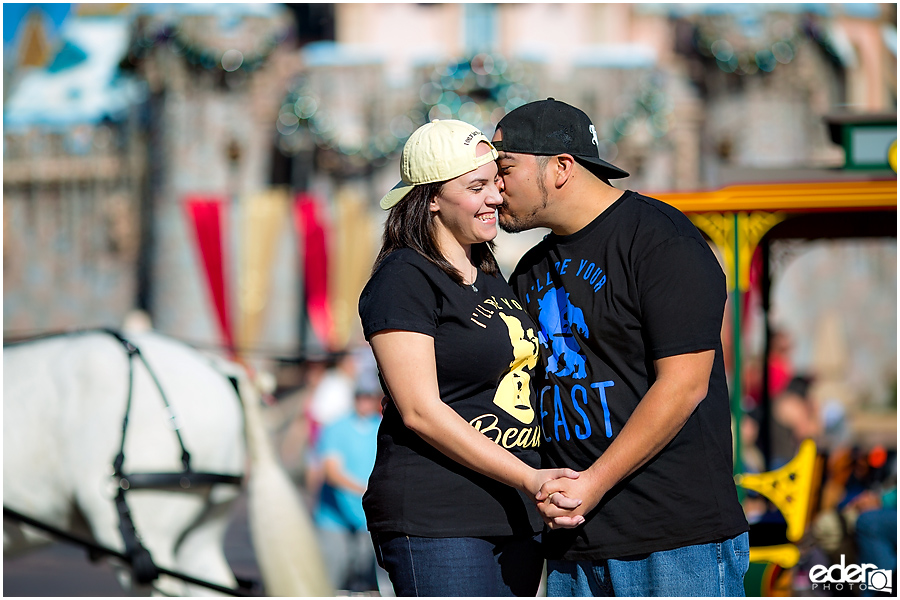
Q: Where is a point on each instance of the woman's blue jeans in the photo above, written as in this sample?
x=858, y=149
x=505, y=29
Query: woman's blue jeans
x=715, y=569
x=463, y=566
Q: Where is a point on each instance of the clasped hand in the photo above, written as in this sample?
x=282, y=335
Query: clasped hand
x=564, y=497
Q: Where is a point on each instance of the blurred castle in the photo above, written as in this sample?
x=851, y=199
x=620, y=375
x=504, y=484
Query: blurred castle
x=218, y=165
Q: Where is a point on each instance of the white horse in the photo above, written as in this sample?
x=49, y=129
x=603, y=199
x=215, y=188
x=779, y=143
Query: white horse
x=64, y=401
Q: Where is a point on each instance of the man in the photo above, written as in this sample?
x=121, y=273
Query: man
x=347, y=449
x=630, y=301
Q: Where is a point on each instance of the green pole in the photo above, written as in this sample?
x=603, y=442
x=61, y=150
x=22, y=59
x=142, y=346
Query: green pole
x=736, y=350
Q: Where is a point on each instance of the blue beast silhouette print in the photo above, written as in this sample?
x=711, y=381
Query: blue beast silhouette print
x=559, y=321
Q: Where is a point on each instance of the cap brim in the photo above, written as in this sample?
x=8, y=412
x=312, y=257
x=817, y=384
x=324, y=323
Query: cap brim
x=397, y=193
x=597, y=166
x=601, y=168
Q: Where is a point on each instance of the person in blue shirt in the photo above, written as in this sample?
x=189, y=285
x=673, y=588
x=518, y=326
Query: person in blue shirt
x=347, y=450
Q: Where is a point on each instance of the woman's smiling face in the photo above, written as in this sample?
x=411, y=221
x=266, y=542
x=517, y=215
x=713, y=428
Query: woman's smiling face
x=466, y=207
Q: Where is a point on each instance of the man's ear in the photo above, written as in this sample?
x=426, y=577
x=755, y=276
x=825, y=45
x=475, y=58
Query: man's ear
x=564, y=168
x=433, y=204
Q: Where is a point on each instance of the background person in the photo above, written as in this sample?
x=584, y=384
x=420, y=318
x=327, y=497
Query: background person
x=629, y=299
x=347, y=451
x=450, y=500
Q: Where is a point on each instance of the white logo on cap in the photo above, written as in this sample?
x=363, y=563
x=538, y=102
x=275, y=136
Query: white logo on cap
x=594, y=136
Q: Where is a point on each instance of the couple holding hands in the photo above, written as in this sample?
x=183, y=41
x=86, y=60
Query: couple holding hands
x=577, y=412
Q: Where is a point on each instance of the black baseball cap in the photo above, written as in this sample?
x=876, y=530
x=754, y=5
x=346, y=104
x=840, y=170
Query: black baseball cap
x=550, y=127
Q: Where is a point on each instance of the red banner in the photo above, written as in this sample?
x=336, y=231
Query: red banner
x=313, y=239
x=208, y=216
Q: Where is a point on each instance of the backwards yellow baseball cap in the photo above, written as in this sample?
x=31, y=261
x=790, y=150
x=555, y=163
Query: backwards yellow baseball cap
x=438, y=151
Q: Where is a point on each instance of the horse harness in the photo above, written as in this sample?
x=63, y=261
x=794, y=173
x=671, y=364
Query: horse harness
x=143, y=569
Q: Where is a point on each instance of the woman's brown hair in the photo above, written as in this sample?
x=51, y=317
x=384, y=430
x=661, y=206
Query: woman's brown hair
x=410, y=224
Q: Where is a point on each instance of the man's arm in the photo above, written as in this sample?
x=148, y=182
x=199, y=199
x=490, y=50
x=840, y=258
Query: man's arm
x=682, y=382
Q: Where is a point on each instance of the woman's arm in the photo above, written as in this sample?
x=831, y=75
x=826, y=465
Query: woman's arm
x=407, y=362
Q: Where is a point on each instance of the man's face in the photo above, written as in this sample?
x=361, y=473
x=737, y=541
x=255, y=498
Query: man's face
x=523, y=190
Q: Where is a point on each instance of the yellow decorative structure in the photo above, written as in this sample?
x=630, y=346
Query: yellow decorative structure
x=736, y=235
x=794, y=197
x=737, y=217
x=790, y=490
x=719, y=227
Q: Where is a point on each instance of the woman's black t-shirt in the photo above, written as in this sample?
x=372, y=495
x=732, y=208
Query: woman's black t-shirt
x=486, y=350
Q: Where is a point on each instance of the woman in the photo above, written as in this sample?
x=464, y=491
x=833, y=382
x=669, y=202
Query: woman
x=450, y=500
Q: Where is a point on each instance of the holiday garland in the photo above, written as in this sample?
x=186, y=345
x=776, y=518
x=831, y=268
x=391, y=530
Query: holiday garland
x=478, y=90
x=751, y=57
x=197, y=55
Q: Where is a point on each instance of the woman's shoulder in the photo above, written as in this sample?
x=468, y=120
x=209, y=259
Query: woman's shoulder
x=403, y=256
x=403, y=262
x=405, y=271
x=400, y=294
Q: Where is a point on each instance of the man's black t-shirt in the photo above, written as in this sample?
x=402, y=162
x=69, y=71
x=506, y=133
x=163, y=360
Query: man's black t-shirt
x=637, y=284
x=486, y=352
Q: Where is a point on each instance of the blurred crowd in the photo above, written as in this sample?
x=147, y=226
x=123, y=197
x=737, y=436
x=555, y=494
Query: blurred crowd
x=326, y=429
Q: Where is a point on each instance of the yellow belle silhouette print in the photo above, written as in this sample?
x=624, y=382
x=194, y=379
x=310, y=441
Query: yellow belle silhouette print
x=513, y=394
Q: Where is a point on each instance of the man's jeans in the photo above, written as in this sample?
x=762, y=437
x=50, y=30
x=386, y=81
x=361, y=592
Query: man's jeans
x=715, y=569
x=463, y=566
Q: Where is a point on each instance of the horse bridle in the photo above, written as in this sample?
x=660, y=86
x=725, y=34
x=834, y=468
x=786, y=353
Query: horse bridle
x=144, y=570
